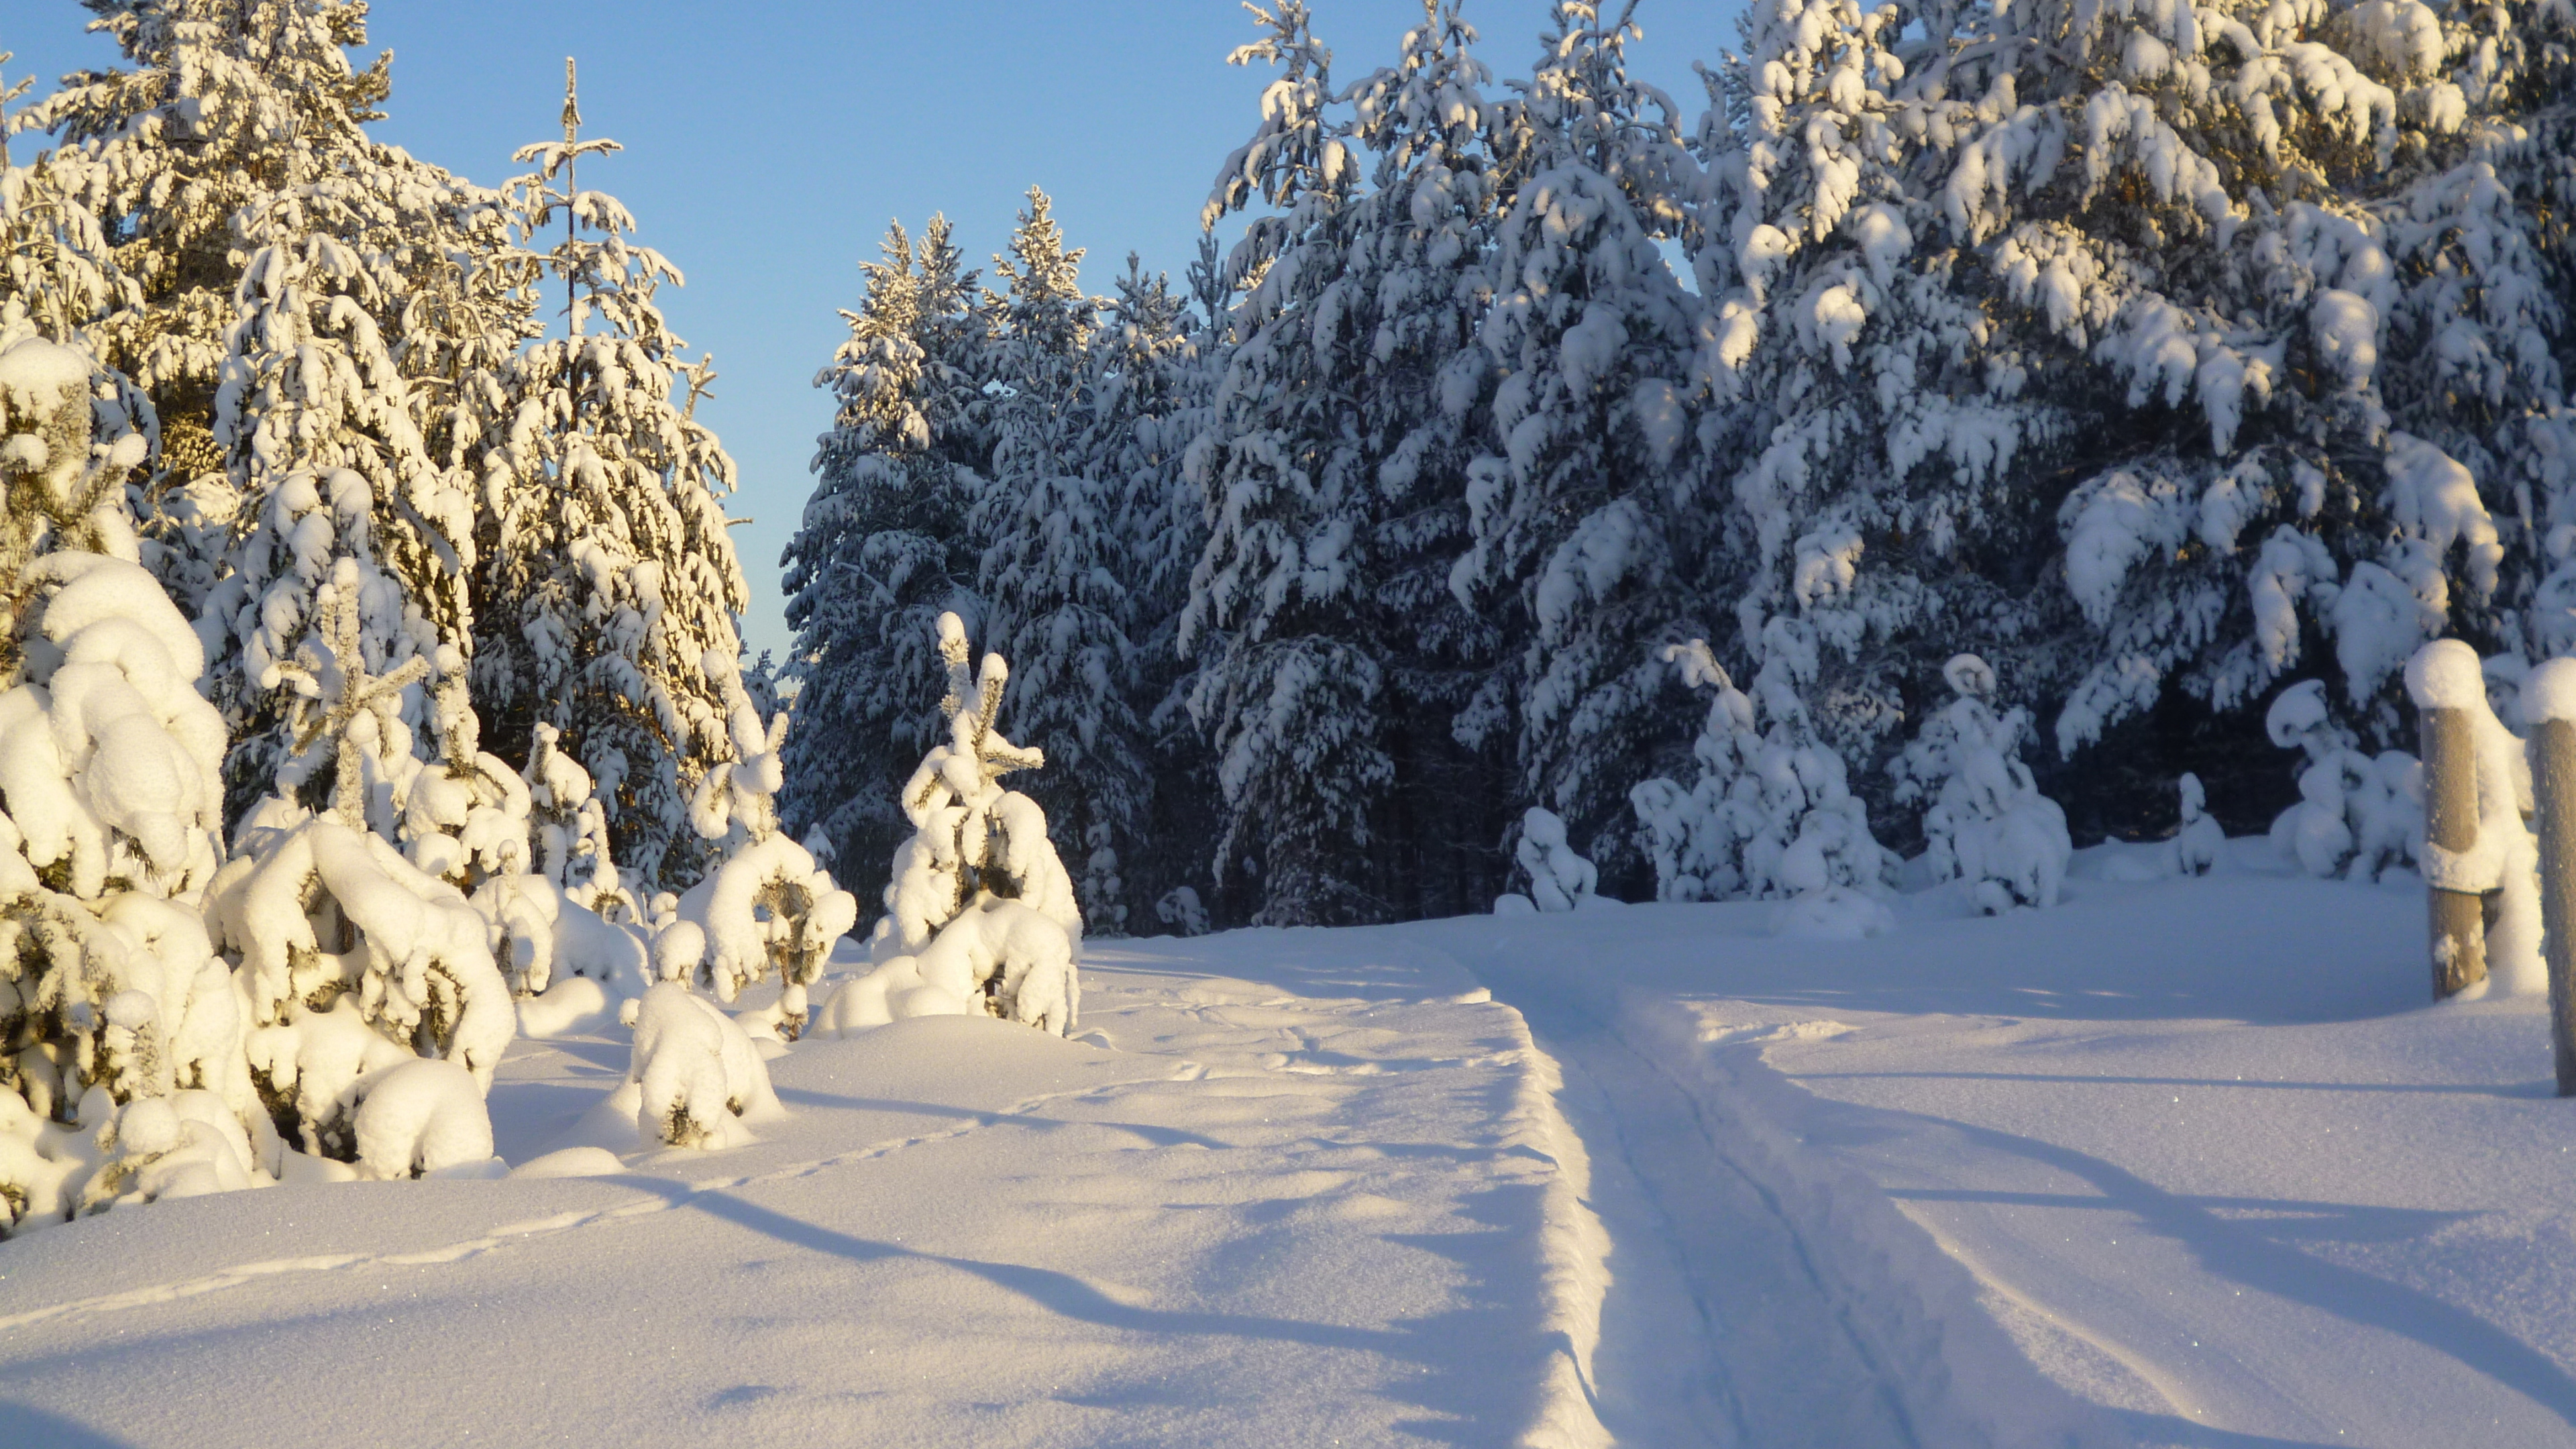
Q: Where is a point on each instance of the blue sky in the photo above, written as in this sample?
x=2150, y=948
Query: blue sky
x=769, y=144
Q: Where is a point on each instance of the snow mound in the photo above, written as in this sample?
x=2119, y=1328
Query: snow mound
x=420, y=1117
x=698, y=1079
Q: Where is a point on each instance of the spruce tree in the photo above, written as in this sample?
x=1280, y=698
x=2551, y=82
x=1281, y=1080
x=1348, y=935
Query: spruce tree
x=1149, y=382
x=2236, y=324
x=1293, y=704
x=1057, y=567
x=884, y=547
x=1586, y=512
x=221, y=106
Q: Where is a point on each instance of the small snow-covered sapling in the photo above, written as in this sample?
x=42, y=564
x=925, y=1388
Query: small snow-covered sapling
x=980, y=915
x=2200, y=842
x=1988, y=825
x=2358, y=815
x=1560, y=880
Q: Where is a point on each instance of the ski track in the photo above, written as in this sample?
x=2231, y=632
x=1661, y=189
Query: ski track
x=1723, y=1222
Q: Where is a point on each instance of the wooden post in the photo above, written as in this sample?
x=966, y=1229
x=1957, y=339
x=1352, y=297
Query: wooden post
x=2451, y=822
x=2553, y=788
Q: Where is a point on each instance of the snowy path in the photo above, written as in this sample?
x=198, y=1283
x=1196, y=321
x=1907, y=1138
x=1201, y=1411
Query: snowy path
x=1738, y=1315
x=1315, y=1193
x=2184, y=1163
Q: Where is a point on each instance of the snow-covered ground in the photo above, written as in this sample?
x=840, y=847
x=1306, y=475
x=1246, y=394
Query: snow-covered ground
x=2180, y=1162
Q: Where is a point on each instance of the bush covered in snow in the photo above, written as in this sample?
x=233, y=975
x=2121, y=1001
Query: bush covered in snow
x=2358, y=814
x=1772, y=813
x=1559, y=879
x=2199, y=843
x=980, y=916
x=1987, y=824
x=353, y=956
x=123, y=1071
x=766, y=909
x=696, y=1076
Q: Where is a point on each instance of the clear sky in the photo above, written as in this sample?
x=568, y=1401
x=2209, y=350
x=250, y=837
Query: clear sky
x=769, y=144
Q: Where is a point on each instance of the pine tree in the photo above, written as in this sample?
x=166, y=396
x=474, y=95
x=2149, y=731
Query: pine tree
x=1149, y=382
x=328, y=458
x=1334, y=658
x=57, y=270
x=122, y=1025
x=608, y=592
x=2108, y=298
x=765, y=908
x=1986, y=824
x=1293, y=705
x=980, y=915
x=1056, y=565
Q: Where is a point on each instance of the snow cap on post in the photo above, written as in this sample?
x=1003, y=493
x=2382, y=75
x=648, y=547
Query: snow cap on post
x=2549, y=692
x=2445, y=675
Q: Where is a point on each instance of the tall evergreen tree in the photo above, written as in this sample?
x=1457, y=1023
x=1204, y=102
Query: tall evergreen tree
x=1149, y=380
x=223, y=104
x=884, y=547
x=1337, y=659
x=608, y=591
x=1587, y=520
x=2237, y=324
x=1293, y=705
x=1057, y=570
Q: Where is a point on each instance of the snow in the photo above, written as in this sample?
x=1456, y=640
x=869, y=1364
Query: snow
x=2183, y=1161
x=422, y=1117
x=1560, y=880
x=2549, y=693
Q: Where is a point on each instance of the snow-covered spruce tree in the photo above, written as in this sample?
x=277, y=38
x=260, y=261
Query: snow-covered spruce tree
x=884, y=548
x=1985, y=823
x=1585, y=511
x=122, y=1074
x=765, y=908
x=353, y=957
x=2358, y=814
x=980, y=916
x=1292, y=709
x=328, y=458
x=56, y=266
x=2200, y=843
x=1851, y=377
x=1772, y=814
x=1559, y=879
x=1149, y=383
x=1333, y=660
x=1420, y=269
x=1057, y=568
x=607, y=589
